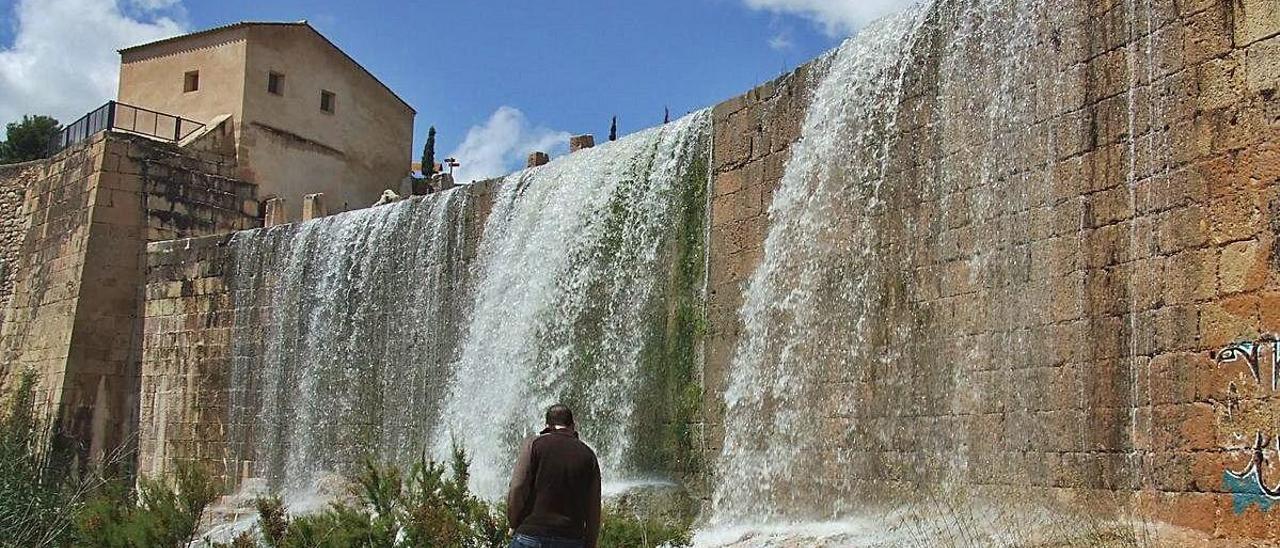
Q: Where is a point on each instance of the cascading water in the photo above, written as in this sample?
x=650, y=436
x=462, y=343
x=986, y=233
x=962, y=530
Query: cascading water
x=346, y=328
x=376, y=334
x=573, y=279
x=907, y=285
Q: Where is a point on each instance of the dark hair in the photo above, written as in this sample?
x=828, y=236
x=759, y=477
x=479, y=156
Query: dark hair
x=559, y=415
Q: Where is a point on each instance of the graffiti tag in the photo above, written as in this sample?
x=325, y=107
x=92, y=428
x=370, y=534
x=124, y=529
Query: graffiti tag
x=1249, y=486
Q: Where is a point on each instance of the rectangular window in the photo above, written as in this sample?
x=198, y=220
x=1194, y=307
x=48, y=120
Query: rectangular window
x=275, y=83
x=326, y=101
x=191, y=81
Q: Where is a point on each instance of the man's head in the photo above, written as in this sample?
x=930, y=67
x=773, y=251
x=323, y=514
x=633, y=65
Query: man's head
x=560, y=415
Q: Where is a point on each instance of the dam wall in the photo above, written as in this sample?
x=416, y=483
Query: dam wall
x=1020, y=247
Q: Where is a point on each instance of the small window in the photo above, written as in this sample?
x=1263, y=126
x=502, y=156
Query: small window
x=326, y=101
x=191, y=81
x=275, y=83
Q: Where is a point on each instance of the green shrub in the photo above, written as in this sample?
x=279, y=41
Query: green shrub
x=620, y=529
x=38, y=493
x=432, y=506
x=158, y=514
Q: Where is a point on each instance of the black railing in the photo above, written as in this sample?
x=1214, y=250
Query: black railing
x=117, y=116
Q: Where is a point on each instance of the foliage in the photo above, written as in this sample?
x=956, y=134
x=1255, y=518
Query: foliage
x=429, y=154
x=157, y=514
x=28, y=139
x=432, y=506
x=46, y=501
x=34, y=498
x=619, y=529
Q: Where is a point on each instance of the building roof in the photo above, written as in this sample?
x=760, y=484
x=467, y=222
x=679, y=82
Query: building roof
x=243, y=24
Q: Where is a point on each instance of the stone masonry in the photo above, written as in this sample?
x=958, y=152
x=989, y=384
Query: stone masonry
x=1112, y=330
x=75, y=316
x=1139, y=289
x=14, y=181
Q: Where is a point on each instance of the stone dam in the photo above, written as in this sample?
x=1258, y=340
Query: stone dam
x=993, y=272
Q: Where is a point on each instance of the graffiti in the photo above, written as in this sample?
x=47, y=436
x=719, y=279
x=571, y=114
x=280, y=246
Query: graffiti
x=1249, y=486
x=1248, y=351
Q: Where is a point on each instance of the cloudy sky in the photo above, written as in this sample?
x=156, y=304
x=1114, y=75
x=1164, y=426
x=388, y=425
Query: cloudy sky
x=497, y=78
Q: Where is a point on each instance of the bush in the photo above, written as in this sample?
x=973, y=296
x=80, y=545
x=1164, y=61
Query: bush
x=38, y=497
x=432, y=506
x=619, y=529
x=156, y=515
x=45, y=501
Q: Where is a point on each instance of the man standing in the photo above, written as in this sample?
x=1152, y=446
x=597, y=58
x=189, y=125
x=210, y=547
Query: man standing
x=554, y=499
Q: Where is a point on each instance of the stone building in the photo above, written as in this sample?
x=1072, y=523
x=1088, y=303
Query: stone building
x=305, y=117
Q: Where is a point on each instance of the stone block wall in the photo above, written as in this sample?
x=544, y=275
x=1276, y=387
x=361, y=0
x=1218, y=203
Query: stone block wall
x=14, y=181
x=76, y=316
x=41, y=312
x=186, y=354
x=753, y=135
x=1082, y=311
x=1110, y=330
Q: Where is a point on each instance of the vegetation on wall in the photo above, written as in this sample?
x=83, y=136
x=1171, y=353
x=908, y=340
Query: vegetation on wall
x=29, y=139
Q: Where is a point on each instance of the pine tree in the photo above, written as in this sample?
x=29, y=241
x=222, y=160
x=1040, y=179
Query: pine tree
x=613, y=130
x=429, y=154
x=28, y=139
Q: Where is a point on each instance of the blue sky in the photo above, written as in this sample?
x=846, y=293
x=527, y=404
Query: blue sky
x=514, y=74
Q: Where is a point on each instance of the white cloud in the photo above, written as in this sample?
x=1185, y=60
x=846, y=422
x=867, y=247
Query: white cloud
x=837, y=17
x=63, y=59
x=154, y=5
x=502, y=144
x=781, y=42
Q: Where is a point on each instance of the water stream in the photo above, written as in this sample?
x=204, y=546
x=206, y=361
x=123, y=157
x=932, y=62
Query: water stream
x=402, y=330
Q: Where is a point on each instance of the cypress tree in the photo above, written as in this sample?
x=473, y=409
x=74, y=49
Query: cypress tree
x=429, y=154
x=613, y=130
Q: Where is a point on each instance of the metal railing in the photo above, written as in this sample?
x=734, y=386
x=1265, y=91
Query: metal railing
x=126, y=118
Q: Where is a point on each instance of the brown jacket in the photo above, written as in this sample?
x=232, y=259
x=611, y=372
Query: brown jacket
x=555, y=488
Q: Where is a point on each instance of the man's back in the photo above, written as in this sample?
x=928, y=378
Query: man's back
x=555, y=490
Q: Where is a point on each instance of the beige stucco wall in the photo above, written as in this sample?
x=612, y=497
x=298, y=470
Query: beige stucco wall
x=292, y=148
x=152, y=77
x=284, y=143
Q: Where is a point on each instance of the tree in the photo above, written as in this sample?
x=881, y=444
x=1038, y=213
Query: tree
x=429, y=154
x=28, y=139
x=666, y=115
x=613, y=130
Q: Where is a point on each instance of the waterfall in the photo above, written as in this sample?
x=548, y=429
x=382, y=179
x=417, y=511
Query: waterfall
x=572, y=278
x=404, y=329
x=345, y=330
x=933, y=267
x=807, y=305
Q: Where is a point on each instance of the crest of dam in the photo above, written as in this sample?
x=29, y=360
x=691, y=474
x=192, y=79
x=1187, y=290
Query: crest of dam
x=404, y=330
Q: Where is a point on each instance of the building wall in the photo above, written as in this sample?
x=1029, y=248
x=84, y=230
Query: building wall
x=292, y=148
x=153, y=77
x=75, y=316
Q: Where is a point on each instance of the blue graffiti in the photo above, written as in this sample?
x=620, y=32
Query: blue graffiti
x=1248, y=487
